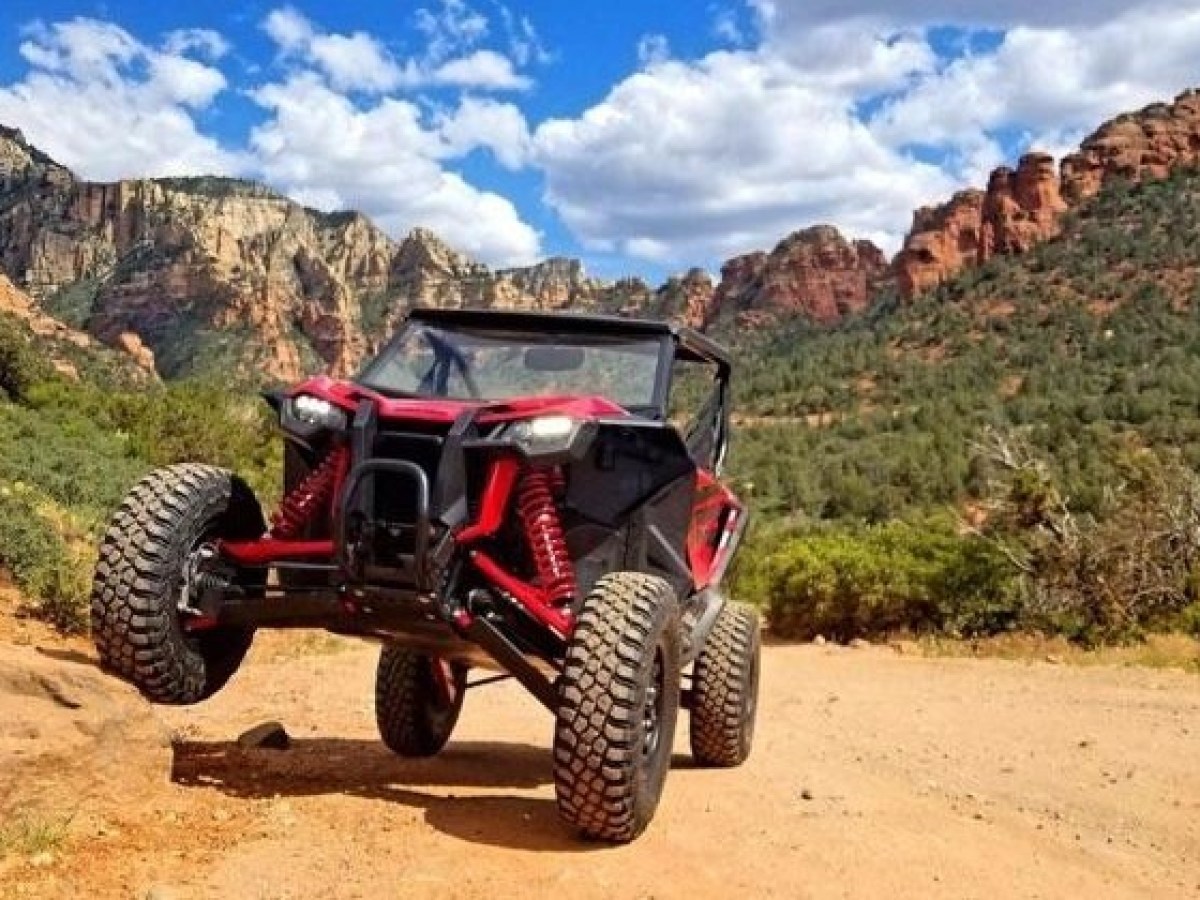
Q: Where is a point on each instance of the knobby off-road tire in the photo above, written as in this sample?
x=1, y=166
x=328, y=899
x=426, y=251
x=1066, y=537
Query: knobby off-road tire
x=412, y=713
x=136, y=622
x=618, y=702
x=725, y=689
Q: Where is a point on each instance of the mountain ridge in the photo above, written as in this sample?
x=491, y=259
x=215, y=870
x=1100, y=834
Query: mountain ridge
x=208, y=274
x=1024, y=206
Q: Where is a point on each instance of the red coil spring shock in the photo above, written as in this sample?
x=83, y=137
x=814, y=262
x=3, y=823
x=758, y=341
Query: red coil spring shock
x=543, y=531
x=308, y=497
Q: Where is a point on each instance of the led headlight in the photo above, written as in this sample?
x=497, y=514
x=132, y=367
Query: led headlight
x=551, y=435
x=315, y=412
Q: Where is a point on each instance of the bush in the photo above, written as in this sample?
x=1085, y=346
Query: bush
x=1189, y=620
x=183, y=422
x=20, y=365
x=873, y=580
x=53, y=578
x=70, y=452
x=69, y=458
x=1111, y=577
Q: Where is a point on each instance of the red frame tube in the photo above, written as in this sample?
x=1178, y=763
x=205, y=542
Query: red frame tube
x=497, y=491
x=532, y=598
x=267, y=550
x=494, y=501
x=501, y=478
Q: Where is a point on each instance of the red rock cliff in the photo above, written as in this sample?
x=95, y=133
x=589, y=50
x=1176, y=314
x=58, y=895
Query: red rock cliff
x=1023, y=207
x=815, y=273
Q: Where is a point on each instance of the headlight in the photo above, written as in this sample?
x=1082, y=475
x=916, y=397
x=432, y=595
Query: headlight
x=317, y=413
x=551, y=435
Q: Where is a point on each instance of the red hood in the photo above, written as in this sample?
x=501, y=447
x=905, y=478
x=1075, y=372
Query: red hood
x=347, y=394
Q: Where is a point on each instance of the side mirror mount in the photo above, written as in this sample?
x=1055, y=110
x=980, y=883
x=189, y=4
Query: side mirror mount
x=274, y=398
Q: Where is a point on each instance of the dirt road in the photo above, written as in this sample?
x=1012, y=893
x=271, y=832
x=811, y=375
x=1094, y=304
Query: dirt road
x=874, y=775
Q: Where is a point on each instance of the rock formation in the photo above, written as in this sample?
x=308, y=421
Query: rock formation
x=217, y=275
x=72, y=738
x=64, y=344
x=1023, y=207
x=686, y=298
x=814, y=273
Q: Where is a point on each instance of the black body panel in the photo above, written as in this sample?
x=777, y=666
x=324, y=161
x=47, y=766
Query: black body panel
x=629, y=502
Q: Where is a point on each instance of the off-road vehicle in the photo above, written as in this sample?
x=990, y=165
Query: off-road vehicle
x=534, y=494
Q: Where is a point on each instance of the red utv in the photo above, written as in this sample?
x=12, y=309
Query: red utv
x=530, y=493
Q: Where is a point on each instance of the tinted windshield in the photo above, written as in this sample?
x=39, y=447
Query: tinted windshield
x=468, y=364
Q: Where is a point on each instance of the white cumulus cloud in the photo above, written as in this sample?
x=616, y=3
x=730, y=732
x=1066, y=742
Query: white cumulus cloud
x=1051, y=81
x=110, y=106
x=360, y=62
x=849, y=112
x=694, y=161
x=482, y=122
x=481, y=69
x=351, y=62
x=386, y=160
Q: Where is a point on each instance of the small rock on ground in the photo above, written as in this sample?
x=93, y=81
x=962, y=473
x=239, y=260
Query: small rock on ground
x=269, y=735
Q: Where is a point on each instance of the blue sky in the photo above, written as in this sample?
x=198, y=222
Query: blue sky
x=643, y=137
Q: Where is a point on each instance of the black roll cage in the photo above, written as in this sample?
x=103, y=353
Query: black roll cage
x=675, y=342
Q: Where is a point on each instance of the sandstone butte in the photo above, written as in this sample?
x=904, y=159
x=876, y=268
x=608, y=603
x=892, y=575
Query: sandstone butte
x=184, y=273
x=1023, y=207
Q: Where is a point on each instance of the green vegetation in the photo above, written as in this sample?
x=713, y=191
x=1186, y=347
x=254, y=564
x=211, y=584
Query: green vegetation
x=218, y=186
x=73, y=303
x=71, y=450
x=863, y=580
x=1085, y=352
x=28, y=833
x=21, y=366
x=1088, y=343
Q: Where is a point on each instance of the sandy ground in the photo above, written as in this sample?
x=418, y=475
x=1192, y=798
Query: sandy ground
x=874, y=775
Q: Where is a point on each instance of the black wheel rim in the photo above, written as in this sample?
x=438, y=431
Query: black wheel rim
x=652, y=710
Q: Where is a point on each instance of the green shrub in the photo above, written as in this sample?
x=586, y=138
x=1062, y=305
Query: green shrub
x=159, y=426
x=70, y=458
x=873, y=580
x=53, y=578
x=76, y=449
x=1189, y=620
x=21, y=367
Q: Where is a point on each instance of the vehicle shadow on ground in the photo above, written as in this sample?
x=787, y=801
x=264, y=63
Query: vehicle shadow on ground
x=365, y=768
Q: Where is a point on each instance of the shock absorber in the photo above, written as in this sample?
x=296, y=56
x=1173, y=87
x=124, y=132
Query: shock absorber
x=308, y=497
x=543, y=531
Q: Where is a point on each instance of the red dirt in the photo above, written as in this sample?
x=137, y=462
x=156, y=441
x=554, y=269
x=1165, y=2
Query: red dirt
x=874, y=775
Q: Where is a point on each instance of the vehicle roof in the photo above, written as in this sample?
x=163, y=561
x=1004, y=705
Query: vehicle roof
x=698, y=345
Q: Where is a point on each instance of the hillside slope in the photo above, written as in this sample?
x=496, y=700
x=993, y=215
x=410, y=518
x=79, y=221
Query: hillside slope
x=71, y=352
x=1090, y=342
x=1024, y=206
